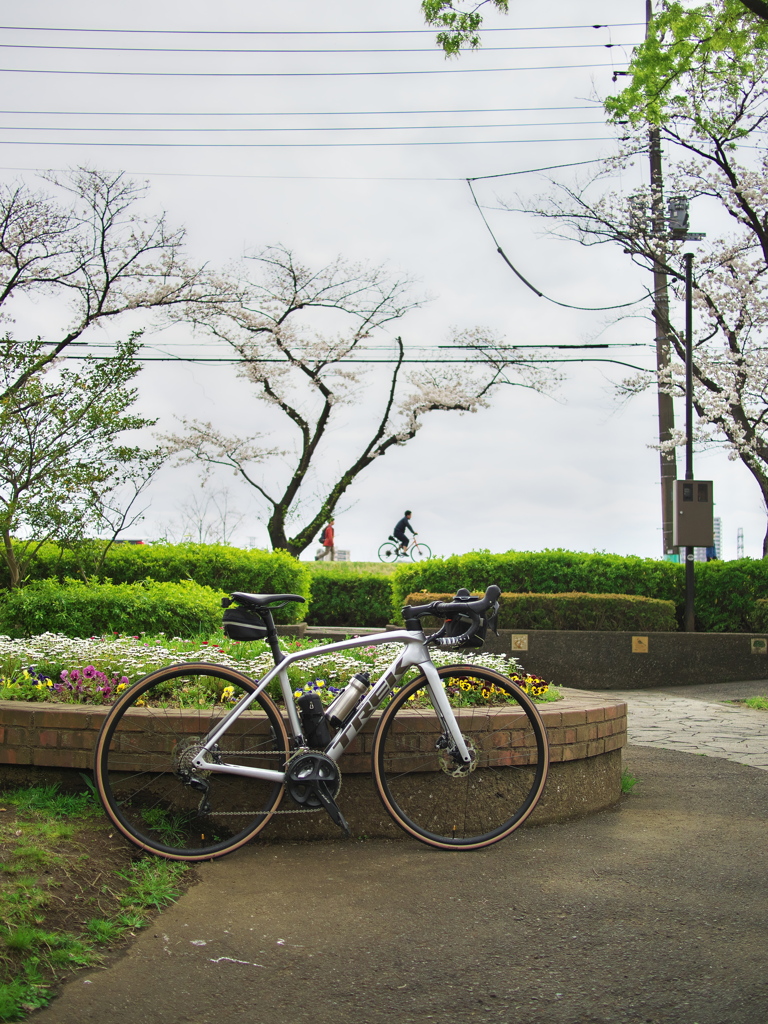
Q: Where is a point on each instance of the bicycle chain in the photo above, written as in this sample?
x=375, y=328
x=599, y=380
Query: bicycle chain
x=294, y=810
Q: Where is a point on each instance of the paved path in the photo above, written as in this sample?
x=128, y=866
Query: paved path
x=652, y=912
x=695, y=720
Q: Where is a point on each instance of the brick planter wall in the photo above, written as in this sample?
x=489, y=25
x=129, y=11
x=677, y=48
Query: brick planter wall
x=586, y=733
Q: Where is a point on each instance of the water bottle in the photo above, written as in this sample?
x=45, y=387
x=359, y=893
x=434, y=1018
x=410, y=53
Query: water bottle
x=347, y=699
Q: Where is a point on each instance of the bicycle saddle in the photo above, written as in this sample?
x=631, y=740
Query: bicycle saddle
x=262, y=600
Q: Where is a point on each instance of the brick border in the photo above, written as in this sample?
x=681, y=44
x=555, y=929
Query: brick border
x=64, y=735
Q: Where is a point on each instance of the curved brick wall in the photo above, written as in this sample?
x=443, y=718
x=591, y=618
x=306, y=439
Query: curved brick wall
x=586, y=733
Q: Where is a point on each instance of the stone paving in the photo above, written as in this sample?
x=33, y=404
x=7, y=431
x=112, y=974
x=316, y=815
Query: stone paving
x=698, y=720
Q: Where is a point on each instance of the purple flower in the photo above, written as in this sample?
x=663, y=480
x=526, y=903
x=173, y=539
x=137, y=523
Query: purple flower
x=89, y=672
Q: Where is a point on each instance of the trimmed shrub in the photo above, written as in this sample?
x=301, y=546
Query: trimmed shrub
x=726, y=592
x=760, y=616
x=575, y=611
x=543, y=572
x=341, y=596
x=78, y=609
x=209, y=565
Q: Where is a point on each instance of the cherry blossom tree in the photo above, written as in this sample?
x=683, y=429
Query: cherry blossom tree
x=302, y=338
x=84, y=239
x=704, y=130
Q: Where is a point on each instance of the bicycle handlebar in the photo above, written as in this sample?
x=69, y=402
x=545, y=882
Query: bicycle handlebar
x=445, y=609
x=464, y=605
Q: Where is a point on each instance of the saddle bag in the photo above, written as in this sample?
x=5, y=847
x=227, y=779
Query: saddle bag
x=243, y=624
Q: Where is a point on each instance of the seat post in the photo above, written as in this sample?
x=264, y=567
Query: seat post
x=274, y=643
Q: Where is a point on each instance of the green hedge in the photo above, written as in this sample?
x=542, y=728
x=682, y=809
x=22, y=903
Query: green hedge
x=760, y=616
x=86, y=609
x=576, y=611
x=342, y=596
x=726, y=592
x=209, y=565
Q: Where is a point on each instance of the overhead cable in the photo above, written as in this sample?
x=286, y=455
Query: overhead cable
x=533, y=288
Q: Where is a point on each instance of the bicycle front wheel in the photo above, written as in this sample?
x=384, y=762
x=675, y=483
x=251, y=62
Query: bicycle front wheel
x=389, y=552
x=420, y=552
x=432, y=795
x=143, y=762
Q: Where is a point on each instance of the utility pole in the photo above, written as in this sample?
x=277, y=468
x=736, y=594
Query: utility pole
x=667, y=458
x=690, y=618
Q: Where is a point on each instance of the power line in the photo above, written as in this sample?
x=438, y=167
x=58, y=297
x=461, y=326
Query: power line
x=299, y=128
x=202, y=360
x=433, y=50
x=294, y=74
x=290, y=113
x=300, y=32
x=533, y=288
x=327, y=177
x=304, y=145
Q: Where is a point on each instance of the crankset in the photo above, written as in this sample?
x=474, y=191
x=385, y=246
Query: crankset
x=314, y=780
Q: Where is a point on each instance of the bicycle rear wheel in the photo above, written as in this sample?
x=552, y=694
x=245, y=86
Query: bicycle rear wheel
x=388, y=552
x=420, y=552
x=430, y=794
x=142, y=762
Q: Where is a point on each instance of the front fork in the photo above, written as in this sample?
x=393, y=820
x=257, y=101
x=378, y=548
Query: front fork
x=445, y=713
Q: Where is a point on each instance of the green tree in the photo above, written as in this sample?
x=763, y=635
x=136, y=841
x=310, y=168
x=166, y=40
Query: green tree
x=716, y=46
x=460, y=25
x=63, y=459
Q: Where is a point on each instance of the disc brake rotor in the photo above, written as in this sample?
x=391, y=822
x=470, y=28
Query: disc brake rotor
x=451, y=764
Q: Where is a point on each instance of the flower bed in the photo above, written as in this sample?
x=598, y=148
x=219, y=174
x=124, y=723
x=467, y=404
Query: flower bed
x=59, y=669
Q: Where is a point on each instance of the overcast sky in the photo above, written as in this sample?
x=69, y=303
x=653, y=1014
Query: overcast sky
x=572, y=470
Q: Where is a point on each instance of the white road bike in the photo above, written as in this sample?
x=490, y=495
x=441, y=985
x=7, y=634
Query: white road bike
x=191, y=782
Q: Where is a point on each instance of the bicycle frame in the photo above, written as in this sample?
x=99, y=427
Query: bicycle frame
x=415, y=654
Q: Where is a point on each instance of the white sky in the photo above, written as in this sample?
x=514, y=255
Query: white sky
x=532, y=471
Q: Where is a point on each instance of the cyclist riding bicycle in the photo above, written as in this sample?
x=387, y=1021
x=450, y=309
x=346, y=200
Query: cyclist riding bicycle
x=399, y=531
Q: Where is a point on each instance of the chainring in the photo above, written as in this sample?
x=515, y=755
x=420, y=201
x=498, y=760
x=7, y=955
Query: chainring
x=307, y=767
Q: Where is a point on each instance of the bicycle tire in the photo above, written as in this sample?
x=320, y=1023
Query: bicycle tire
x=470, y=810
x=145, y=743
x=420, y=552
x=388, y=552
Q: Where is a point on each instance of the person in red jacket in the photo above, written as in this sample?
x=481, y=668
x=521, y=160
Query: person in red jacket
x=329, y=554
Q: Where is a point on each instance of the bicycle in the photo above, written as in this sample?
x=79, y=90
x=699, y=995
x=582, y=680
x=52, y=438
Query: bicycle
x=392, y=549
x=198, y=782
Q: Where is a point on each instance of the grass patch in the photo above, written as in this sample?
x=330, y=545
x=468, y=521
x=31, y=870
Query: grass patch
x=628, y=781
x=758, y=703
x=69, y=892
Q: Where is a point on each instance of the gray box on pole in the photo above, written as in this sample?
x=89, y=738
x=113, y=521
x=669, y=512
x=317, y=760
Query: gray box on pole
x=693, y=514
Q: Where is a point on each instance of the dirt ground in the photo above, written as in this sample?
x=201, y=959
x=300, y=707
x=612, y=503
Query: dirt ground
x=653, y=912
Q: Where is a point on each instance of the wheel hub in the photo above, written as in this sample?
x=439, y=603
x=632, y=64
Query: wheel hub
x=185, y=753
x=451, y=763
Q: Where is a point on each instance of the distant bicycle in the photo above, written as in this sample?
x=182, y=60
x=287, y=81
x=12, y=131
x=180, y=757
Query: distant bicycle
x=392, y=549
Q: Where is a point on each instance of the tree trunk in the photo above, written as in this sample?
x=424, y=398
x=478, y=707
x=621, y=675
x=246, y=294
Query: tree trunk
x=14, y=570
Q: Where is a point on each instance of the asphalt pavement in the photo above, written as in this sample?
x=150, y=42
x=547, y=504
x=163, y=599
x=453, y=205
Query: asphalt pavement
x=652, y=912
